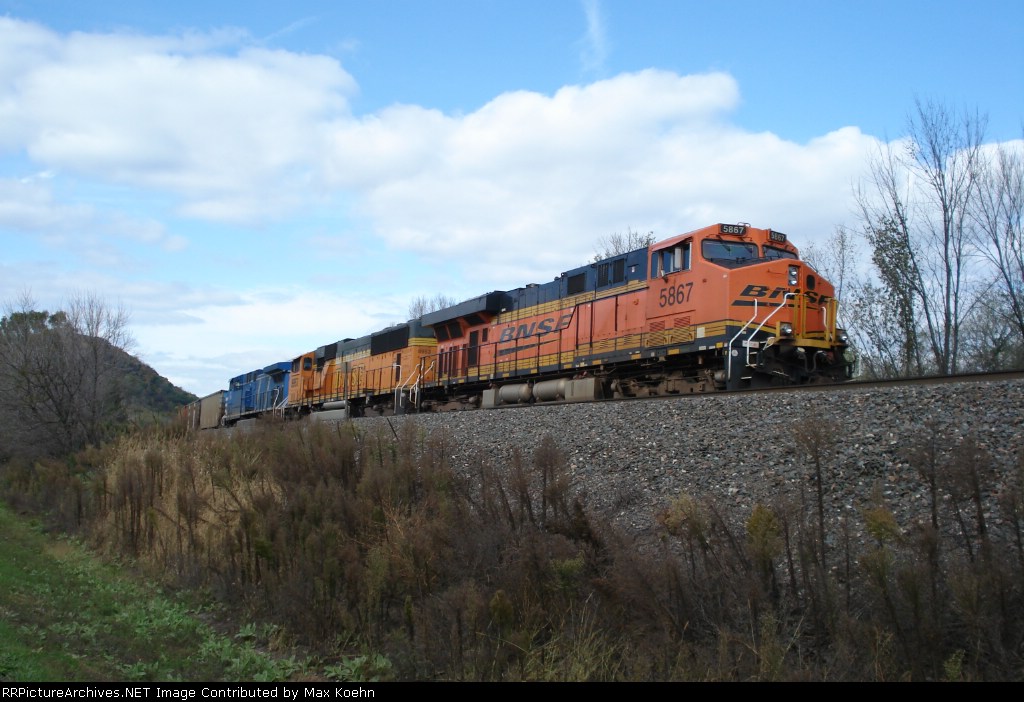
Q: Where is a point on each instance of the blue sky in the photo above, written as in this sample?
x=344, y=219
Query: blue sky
x=252, y=180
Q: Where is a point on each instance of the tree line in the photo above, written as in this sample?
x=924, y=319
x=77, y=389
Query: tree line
x=940, y=214
x=61, y=376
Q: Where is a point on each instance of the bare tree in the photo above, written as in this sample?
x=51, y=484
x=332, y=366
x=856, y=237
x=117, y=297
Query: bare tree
x=103, y=337
x=836, y=259
x=915, y=211
x=875, y=321
x=874, y=315
x=60, y=375
x=998, y=213
x=422, y=304
x=991, y=340
x=616, y=244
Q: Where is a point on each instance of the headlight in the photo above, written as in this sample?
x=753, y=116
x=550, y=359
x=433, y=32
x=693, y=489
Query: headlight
x=844, y=338
x=794, y=275
x=786, y=329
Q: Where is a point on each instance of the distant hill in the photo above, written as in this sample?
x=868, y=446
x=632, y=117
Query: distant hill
x=146, y=391
x=75, y=390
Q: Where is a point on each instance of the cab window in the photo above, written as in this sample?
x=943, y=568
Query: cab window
x=773, y=252
x=671, y=260
x=729, y=253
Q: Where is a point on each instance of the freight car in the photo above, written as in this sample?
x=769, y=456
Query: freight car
x=204, y=413
x=722, y=308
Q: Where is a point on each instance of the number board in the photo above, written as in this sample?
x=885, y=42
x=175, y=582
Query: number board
x=733, y=229
x=777, y=236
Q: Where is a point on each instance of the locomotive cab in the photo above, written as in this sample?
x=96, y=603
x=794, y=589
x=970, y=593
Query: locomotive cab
x=781, y=316
x=301, y=383
x=743, y=310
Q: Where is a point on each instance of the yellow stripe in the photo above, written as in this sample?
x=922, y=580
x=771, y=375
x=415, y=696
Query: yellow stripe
x=355, y=355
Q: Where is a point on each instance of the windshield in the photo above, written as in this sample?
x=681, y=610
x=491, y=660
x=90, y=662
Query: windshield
x=772, y=253
x=728, y=252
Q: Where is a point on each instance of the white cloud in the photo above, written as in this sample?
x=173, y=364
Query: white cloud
x=595, y=43
x=245, y=134
x=260, y=327
x=228, y=132
x=27, y=204
x=523, y=188
x=29, y=208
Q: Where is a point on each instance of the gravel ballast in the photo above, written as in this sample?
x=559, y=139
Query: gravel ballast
x=628, y=460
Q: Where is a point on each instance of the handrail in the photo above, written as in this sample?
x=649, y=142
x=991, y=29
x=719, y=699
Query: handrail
x=728, y=348
x=831, y=322
x=279, y=407
x=400, y=386
x=423, y=374
x=728, y=361
x=765, y=321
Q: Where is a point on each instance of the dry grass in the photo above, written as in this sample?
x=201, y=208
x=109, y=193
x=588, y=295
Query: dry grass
x=368, y=548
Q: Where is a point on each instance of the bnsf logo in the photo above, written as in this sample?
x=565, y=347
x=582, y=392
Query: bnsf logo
x=763, y=291
x=544, y=326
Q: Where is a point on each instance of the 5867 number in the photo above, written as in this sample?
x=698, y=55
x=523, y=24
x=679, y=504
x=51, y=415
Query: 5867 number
x=674, y=295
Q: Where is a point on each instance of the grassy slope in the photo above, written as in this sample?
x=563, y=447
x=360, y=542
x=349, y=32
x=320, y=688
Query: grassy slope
x=66, y=617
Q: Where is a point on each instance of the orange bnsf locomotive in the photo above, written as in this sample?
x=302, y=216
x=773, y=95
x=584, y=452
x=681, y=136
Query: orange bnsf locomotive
x=725, y=307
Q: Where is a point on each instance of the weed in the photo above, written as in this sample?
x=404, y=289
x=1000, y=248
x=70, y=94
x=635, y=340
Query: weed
x=366, y=548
